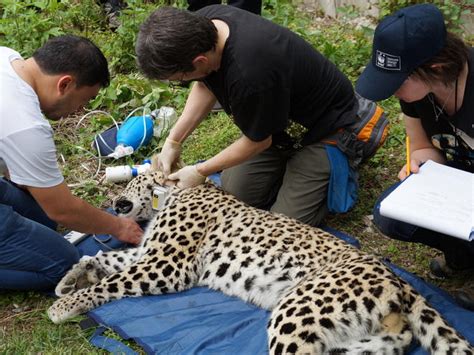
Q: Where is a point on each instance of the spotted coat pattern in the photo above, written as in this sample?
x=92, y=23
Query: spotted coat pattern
x=325, y=295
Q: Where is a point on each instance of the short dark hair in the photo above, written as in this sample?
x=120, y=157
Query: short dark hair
x=452, y=56
x=170, y=39
x=74, y=55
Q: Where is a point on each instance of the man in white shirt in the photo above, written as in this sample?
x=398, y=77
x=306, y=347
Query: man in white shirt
x=59, y=79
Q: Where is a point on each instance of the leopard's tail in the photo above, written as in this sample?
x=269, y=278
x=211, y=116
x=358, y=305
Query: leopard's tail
x=385, y=342
x=429, y=327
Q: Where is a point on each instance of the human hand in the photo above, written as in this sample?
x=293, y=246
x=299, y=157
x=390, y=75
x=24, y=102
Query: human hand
x=414, y=168
x=167, y=158
x=128, y=231
x=187, y=177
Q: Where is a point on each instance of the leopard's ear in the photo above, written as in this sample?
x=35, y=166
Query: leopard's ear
x=158, y=177
x=176, y=166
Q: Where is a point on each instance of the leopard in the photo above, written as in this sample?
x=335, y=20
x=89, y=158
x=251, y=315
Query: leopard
x=325, y=295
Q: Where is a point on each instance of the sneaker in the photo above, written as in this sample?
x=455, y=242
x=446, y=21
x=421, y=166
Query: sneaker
x=465, y=296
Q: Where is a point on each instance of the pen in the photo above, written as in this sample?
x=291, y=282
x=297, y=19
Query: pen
x=408, y=155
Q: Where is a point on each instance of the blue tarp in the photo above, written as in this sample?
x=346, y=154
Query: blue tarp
x=203, y=321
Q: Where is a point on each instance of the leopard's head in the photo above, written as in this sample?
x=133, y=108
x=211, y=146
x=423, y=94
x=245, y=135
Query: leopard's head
x=135, y=201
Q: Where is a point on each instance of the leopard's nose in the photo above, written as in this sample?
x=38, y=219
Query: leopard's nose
x=123, y=206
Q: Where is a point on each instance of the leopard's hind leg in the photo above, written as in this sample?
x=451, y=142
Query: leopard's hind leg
x=344, y=303
x=150, y=275
x=90, y=270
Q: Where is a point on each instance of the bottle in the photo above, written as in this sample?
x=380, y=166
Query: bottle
x=125, y=172
x=165, y=117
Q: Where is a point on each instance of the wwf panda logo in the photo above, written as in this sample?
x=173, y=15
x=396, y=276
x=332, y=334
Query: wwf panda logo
x=388, y=61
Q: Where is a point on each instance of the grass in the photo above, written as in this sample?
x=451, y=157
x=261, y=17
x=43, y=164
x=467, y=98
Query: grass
x=24, y=326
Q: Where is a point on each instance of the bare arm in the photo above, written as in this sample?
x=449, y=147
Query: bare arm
x=421, y=148
x=238, y=152
x=70, y=211
x=198, y=105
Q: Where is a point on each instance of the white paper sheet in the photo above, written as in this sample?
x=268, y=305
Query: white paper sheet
x=439, y=198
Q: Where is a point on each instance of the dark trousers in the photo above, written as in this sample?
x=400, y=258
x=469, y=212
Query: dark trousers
x=33, y=256
x=459, y=254
x=254, y=6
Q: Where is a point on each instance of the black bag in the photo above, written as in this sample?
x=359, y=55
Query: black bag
x=363, y=138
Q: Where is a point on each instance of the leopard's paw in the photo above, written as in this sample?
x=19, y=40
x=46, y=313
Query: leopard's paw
x=84, y=274
x=65, y=308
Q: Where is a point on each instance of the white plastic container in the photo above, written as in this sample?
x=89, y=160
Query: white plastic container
x=125, y=172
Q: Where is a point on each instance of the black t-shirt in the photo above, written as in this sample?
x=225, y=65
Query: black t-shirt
x=448, y=133
x=269, y=76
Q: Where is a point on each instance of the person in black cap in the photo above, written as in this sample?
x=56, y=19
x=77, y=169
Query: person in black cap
x=430, y=71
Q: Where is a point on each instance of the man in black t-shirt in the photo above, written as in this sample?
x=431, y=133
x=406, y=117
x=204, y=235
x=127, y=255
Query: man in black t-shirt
x=430, y=71
x=265, y=78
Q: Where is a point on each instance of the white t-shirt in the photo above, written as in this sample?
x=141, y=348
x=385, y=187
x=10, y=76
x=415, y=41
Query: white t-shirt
x=26, y=137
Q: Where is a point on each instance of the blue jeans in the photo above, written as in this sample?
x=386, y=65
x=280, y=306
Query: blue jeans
x=459, y=254
x=33, y=256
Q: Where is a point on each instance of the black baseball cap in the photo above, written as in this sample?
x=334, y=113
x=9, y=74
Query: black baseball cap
x=402, y=42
